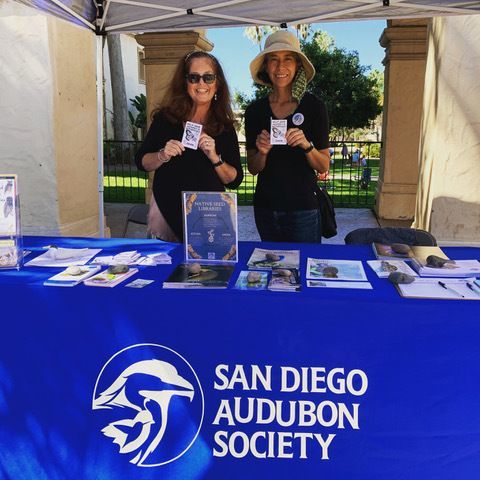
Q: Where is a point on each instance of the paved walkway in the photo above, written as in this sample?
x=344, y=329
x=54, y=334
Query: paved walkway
x=347, y=219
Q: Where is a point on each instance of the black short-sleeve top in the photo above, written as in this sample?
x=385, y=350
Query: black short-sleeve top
x=191, y=171
x=288, y=182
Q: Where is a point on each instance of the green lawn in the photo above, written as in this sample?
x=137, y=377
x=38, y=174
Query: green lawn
x=343, y=185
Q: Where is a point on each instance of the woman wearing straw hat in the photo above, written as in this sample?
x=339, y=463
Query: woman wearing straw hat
x=285, y=202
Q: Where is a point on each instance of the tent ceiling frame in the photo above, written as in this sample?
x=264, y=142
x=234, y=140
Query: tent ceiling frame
x=200, y=11
x=73, y=13
x=360, y=8
x=208, y=11
x=350, y=7
x=416, y=6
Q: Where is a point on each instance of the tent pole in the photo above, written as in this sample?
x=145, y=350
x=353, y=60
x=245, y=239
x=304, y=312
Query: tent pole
x=99, y=59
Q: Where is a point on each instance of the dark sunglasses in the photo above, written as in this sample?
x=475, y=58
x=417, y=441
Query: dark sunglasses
x=196, y=77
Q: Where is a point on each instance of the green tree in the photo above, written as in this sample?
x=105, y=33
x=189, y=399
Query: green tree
x=351, y=95
x=138, y=121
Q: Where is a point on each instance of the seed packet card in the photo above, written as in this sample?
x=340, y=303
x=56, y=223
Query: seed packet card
x=278, y=130
x=191, y=135
x=252, y=280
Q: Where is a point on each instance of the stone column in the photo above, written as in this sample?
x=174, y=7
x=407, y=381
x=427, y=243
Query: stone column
x=405, y=42
x=162, y=53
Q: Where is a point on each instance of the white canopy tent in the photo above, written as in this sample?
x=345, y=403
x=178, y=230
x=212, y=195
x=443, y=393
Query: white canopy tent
x=121, y=16
x=118, y=16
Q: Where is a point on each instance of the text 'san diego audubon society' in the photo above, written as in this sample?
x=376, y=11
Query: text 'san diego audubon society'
x=297, y=424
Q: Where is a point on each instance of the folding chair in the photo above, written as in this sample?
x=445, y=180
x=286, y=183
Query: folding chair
x=389, y=235
x=137, y=214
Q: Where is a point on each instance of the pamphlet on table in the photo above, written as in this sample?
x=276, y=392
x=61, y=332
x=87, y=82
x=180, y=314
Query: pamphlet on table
x=252, y=280
x=453, y=268
x=263, y=258
x=72, y=276
x=196, y=275
x=107, y=279
x=405, y=252
x=383, y=268
x=285, y=280
x=134, y=258
x=326, y=269
x=356, y=285
x=63, y=257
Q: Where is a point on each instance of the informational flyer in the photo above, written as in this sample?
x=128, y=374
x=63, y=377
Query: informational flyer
x=327, y=269
x=210, y=226
x=191, y=135
x=278, y=130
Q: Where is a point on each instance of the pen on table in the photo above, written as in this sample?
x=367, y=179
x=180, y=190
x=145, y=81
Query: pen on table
x=472, y=287
x=447, y=287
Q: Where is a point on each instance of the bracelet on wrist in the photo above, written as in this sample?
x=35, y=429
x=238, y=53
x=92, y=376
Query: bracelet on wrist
x=220, y=162
x=309, y=148
x=160, y=159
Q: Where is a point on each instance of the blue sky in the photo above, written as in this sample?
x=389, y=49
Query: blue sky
x=235, y=51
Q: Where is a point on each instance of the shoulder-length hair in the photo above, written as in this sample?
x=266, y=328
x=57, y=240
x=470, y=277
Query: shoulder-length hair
x=177, y=104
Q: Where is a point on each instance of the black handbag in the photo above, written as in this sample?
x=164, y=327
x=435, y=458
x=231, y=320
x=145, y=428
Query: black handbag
x=327, y=212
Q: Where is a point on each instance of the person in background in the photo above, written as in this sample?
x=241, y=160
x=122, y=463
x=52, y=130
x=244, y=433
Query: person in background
x=356, y=157
x=286, y=204
x=198, y=93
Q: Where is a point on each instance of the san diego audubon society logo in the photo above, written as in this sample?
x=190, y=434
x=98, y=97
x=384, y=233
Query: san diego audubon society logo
x=152, y=403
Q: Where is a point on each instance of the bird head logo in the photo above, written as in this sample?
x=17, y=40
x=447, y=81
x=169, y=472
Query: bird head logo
x=153, y=397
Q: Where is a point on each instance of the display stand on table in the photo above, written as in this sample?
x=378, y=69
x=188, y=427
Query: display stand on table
x=210, y=227
x=11, y=250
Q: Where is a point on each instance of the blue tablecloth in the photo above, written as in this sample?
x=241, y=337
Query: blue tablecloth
x=324, y=383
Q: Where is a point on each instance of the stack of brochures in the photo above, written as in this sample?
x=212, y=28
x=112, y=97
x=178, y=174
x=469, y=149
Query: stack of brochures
x=134, y=258
x=383, y=268
x=262, y=258
x=63, y=257
x=454, y=268
x=285, y=280
x=66, y=279
x=205, y=276
x=106, y=279
x=420, y=252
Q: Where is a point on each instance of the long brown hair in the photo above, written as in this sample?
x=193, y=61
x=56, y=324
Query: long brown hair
x=177, y=104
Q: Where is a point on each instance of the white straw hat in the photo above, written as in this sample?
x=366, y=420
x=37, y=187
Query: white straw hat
x=281, y=40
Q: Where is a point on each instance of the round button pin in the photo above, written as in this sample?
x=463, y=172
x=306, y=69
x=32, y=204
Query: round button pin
x=298, y=119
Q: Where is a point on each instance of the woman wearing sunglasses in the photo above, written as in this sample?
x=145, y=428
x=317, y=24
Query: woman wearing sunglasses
x=198, y=93
x=286, y=204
